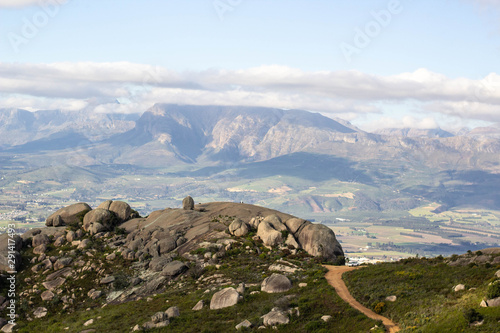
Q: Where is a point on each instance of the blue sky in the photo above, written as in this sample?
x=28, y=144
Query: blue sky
x=377, y=63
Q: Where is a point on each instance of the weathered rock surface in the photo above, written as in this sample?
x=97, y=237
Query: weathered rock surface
x=294, y=224
x=238, y=228
x=121, y=209
x=494, y=302
x=275, y=221
x=244, y=324
x=275, y=317
x=69, y=215
x=172, y=312
x=174, y=268
x=269, y=235
x=276, y=283
x=224, y=298
x=40, y=312
x=99, y=216
x=198, y=306
x=319, y=240
x=40, y=239
x=188, y=203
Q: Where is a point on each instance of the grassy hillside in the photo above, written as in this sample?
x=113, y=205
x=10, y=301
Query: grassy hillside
x=426, y=301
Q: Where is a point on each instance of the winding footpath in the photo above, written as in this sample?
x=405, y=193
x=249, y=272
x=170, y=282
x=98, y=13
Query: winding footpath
x=334, y=278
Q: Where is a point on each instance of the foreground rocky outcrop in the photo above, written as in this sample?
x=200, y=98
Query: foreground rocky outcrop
x=124, y=257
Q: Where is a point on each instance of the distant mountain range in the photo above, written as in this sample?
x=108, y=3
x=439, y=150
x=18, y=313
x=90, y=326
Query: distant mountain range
x=168, y=134
x=225, y=152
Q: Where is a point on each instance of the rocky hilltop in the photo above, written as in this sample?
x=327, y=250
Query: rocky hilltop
x=111, y=255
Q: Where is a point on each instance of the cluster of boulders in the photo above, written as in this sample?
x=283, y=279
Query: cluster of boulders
x=105, y=217
x=316, y=239
x=162, y=247
x=159, y=319
x=230, y=296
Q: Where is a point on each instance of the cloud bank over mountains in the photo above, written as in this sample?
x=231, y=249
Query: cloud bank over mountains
x=75, y=86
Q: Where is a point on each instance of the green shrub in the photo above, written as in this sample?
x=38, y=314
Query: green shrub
x=493, y=290
x=339, y=261
x=314, y=325
x=121, y=281
x=472, y=315
x=379, y=307
x=120, y=231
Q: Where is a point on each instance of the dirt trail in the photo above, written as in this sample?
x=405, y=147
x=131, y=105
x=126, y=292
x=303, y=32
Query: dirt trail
x=334, y=278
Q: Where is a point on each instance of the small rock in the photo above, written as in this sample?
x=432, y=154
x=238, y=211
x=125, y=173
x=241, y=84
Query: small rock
x=95, y=294
x=302, y=284
x=174, y=268
x=47, y=295
x=459, y=287
x=88, y=322
x=39, y=240
x=8, y=328
x=60, y=241
x=111, y=256
x=40, y=249
x=172, y=312
x=50, y=285
x=70, y=236
x=224, y=298
x=159, y=317
x=198, y=306
x=276, y=283
x=326, y=318
x=244, y=323
x=40, y=312
x=241, y=288
x=63, y=262
x=392, y=298
x=108, y=279
x=275, y=317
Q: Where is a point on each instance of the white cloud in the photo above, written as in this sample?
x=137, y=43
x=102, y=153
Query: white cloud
x=71, y=85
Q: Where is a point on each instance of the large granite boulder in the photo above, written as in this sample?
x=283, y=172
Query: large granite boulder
x=174, y=268
x=40, y=239
x=275, y=317
x=238, y=228
x=225, y=298
x=121, y=209
x=275, y=221
x=105, y=204
x=294, y=224
x=188, y=203
x=68, y=215
x=101, y=216
x=269, y=235
x=276, y=283
x=320, y=241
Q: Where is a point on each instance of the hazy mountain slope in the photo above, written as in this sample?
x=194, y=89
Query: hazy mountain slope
x=415, y=132
x=18, y=127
